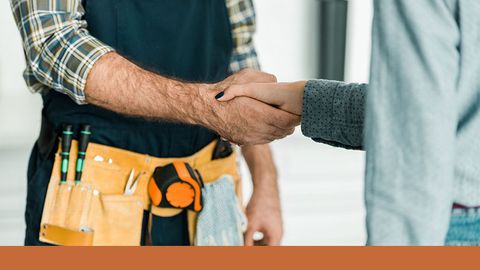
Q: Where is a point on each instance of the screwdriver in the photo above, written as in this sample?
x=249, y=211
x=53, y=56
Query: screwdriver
x=82, y=151
x=67, y=136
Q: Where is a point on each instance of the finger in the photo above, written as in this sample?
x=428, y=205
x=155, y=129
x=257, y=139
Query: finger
x=255, y=76
x=264, y=92
x=249, y=236
x=232, y=92
x=267, y=78
x=272, y=238
x=282, y=119
x=285, y=120
x=291, y=131
x=262, y=242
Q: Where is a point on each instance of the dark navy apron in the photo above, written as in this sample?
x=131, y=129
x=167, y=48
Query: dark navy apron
x=185, y=39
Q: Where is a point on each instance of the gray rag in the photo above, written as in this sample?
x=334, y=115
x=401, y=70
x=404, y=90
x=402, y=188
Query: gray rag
x=222, y=221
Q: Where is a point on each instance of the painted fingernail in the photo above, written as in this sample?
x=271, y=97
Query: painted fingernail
x=220, y=95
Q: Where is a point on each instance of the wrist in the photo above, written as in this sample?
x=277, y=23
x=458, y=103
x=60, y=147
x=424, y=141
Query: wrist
x=265, y=178
x=299, y=88
x=266, y=189
x=300, y=85
x=208, y=109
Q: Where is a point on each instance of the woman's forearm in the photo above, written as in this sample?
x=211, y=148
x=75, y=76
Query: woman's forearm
x=333, y=113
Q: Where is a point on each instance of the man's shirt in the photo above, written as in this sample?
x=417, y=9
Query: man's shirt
x=60, y=52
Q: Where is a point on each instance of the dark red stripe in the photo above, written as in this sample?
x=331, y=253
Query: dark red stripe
x=459, y=206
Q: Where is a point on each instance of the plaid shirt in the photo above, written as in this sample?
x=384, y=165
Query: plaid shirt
x=60, y=52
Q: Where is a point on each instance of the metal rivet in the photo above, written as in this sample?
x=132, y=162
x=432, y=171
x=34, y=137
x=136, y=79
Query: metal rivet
x=110, y=161
x=96, y=192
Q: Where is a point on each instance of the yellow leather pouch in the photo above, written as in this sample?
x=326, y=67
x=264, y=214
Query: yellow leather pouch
x=96, y=211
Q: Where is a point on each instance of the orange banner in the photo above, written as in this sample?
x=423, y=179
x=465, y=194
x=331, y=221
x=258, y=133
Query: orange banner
x=295, y=258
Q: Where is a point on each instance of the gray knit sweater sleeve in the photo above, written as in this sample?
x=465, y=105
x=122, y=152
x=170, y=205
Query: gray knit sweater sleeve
x=333, y=113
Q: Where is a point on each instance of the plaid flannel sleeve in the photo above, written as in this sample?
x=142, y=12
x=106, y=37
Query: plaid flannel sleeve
x=242, y=18
x=59, y=50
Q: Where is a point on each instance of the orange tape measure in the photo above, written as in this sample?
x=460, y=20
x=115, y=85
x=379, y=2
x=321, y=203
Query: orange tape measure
x=176, y=185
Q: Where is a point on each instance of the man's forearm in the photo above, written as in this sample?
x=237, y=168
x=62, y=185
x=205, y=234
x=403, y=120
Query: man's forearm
x=262, y=167
x=264, y=208
x=121, y=86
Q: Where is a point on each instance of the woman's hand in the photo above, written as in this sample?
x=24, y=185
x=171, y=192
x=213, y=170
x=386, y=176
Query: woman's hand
x=286, y=96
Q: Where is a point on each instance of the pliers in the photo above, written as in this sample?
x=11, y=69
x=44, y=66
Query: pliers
x=132, y=184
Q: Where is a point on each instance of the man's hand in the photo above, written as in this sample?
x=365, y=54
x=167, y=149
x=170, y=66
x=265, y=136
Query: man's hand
x=263, y=211
x=246, y=121
x=264, y=216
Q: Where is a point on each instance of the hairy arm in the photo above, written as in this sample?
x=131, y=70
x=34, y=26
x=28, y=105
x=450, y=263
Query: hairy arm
x=121, y=86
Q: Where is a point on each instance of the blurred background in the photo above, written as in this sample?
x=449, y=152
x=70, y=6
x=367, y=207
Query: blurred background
x=321, y=186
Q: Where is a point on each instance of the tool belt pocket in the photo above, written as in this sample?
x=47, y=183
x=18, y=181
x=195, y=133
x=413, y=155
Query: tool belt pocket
x=117, y=220
x=94, y=212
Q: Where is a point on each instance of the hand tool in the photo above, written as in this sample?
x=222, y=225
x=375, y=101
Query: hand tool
x=176, y=185
x=131, y=185
x=82, y=151
x=67, y=135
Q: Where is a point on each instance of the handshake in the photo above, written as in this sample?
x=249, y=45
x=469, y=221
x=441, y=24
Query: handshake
x=250, y=107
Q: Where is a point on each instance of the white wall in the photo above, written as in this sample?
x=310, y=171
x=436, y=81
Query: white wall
x=19, y=109
x=360, y=15
x=287, y=37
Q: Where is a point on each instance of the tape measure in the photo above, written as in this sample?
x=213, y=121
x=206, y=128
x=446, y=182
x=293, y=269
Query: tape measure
x=176, y=185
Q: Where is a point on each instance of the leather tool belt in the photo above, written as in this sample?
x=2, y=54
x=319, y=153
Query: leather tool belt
x=96, y=212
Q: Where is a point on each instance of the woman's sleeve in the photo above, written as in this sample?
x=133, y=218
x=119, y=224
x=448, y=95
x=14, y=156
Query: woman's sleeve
x=333, y=113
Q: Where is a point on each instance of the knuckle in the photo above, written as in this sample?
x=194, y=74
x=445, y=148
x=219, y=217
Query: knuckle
x=273, y=78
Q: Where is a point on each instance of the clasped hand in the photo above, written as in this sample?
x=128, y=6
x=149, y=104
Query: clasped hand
x=255, y=109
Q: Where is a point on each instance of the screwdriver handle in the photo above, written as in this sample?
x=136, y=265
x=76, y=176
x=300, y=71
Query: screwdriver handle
x=67, y=136
x=84, y=139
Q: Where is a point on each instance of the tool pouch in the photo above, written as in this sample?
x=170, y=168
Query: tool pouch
x=97, y=213
x=94, y=212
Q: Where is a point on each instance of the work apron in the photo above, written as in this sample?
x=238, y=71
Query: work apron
x=185, y=39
